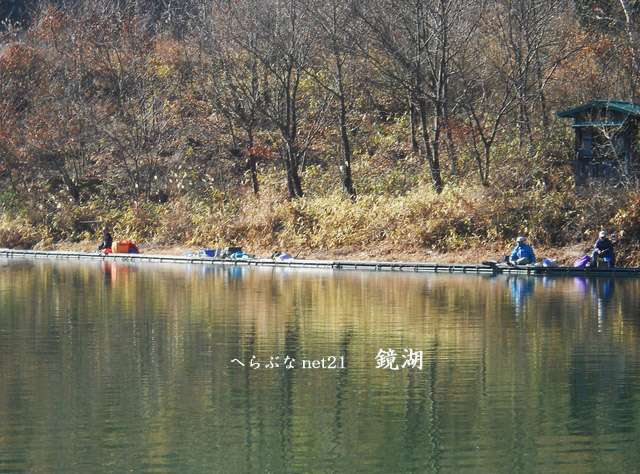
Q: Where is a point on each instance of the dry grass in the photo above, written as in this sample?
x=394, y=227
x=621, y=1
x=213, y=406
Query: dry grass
x=465, y=223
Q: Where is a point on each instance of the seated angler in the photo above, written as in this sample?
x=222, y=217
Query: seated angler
x=107, y=240
x=522, y=254
x=603, y=249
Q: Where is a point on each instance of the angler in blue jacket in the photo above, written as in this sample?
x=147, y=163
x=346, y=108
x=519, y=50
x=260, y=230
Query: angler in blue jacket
x=522, y=254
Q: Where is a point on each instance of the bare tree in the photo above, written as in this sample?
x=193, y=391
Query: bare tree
x=128, y=107
x=336, y=42
x=232, y=82
x=419, y=40
x=630, y=27
x=487, y=99
x=282, y=46
x=58, y=136
x=532, y=34
x=14, y=87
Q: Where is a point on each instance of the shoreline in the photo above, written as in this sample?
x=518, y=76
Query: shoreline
x=487, y=269
x=350, y=259
x=564, y=256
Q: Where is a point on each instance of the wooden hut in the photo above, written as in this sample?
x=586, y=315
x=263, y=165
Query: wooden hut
x=606, y=139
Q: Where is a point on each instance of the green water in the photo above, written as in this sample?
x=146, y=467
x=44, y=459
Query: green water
x=118, y=367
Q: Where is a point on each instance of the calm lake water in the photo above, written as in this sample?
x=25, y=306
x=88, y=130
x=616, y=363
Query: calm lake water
x=147, y=367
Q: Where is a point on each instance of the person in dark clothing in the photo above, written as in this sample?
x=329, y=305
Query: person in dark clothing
x=107, y=240
x=603, y=249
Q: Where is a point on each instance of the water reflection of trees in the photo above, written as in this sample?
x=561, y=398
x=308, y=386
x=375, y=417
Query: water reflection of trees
x=535, y=362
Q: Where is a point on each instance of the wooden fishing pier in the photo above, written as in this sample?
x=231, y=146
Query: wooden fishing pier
x=470, y=268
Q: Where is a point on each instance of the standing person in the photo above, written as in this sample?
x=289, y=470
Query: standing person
x=603, y=249
x=107, y=240
x=522, y=254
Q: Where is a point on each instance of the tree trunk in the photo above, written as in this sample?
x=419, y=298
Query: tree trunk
x=252, y=162
x=432, y=158
x=345, y=166
x=632, y=44
x=414, y=138
x=451, y=148
x=294, y=184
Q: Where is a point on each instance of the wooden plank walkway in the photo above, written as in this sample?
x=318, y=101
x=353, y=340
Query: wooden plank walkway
x=330, y=264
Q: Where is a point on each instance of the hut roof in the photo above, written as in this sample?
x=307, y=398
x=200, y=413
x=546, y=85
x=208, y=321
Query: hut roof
x=626, y=108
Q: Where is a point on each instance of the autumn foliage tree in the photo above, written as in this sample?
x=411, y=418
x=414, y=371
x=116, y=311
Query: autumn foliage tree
x=214, y=101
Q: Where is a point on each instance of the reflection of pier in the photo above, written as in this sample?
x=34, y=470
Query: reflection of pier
x=471, y=268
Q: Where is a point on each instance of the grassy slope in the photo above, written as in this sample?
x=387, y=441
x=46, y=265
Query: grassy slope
x=463, y=224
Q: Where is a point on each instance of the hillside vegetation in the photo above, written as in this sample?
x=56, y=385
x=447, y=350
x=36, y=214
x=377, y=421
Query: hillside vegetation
x=323, y=125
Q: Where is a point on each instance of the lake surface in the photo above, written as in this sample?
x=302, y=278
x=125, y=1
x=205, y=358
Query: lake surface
x=178, y=368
